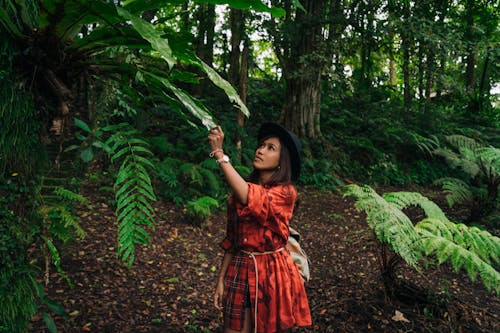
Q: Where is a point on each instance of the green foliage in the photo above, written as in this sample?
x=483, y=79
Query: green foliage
x=17, y=291
x=390, y=224
x=481, y=175
x=20, y=149
x=59, y=214
x=199, y=210
x=182, y=181
x=133, y=189
x=435, y=237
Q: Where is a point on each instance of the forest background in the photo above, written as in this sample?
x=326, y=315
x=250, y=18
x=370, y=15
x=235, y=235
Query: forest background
x=121, y=94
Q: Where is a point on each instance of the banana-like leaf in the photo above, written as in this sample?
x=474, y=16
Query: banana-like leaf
x=198, y=110
x=226, y=86
x=149, y=33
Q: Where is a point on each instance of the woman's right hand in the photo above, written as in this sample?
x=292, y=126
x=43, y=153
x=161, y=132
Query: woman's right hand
x=219, y=293
x=216, y=139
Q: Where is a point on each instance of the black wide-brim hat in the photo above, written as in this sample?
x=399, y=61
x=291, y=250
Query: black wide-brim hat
x=289, y=139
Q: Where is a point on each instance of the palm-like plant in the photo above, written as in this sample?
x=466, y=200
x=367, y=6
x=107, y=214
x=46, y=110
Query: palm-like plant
x=481, y=168
x=434, y=237
x=58, y=54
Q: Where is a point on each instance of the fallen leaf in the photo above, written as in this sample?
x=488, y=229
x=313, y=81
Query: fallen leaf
x=399, y=317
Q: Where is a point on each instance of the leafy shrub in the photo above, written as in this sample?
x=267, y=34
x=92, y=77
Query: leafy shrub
x=133, y=188
x=434, y=238
x=480, y=166
x=199, y=210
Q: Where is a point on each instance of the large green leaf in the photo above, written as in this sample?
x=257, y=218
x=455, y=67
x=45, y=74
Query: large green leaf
x=149, y=33
x=226, y=86
x=197, y=109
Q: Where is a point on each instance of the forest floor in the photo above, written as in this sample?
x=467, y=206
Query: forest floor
x=170, y=287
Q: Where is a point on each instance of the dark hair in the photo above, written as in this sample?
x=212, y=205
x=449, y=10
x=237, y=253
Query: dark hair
x=283, y=175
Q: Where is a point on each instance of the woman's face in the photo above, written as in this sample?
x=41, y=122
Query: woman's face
x=267, y=155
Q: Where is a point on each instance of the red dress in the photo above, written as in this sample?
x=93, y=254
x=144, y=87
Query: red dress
x=262, y=226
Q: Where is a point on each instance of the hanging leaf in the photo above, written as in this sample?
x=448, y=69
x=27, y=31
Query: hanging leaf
x=149, y=33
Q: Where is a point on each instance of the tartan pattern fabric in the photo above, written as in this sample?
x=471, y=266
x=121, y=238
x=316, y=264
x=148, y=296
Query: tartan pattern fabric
x=263, y=226
x=236, y=292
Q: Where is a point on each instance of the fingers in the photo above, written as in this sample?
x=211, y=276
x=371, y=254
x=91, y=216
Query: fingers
x=218, y=301
x=216, y=137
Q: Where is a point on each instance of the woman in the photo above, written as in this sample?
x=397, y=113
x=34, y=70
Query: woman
x=259, y=287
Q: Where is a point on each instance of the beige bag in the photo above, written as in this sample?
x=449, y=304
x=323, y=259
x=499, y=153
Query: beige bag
x=299, y=256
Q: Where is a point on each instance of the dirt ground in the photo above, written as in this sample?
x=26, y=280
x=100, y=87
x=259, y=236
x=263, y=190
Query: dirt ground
x=170, y=286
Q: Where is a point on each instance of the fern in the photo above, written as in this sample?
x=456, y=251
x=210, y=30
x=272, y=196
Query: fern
x=70, y=195
x=427, y=145
x=482, y=168
x=475, y=250
x=133, y=190
x=390, y=224
x=403, y=200
x=58, y=216
x=201, y=208
x=457, y=191
x=470, y=248
x=56, y=259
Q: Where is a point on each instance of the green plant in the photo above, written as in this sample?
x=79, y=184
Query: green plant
x=133, y=189
x=480, y=165
x=199, y=210
x=433, y=238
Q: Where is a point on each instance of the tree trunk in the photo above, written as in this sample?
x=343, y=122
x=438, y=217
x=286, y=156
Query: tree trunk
x=302, y=71
x=430, y=74
x=406, y=74
x=469, y=38
x=236, y=23
x=421, y=94
x=392, y=62
x=405, y=45
x=238, y=65
x=242, y=91
x=204, y=41
x=301, y=112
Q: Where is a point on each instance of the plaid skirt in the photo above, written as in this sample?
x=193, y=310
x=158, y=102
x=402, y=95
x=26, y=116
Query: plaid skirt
x=281, y=302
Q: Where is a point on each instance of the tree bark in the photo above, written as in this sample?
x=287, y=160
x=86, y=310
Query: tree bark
x=302, y=62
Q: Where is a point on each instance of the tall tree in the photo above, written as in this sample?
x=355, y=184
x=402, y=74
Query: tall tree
x=238, y=62
x=298, y=42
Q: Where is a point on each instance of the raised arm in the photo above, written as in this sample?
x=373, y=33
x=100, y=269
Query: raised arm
x=233, y=178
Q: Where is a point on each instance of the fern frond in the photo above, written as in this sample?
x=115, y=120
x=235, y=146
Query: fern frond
x=480, y=242
x=457, y=191
x=70, y=195
x=201, y=208
x=211, y=180
x=390, y=224
x=403, y=200
x=70, y=220
x=133, y=190
x=436, y=242
x=427, y=145
x=462, y=142
x=458, y=161
x=56, y=259
x=492, y=154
